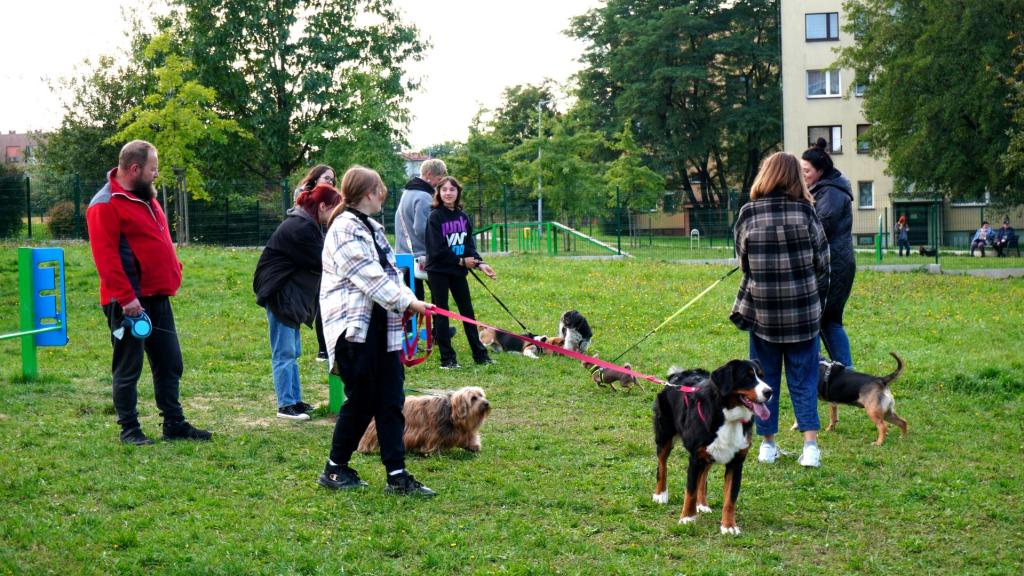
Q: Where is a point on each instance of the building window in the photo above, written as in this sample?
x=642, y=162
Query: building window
x=865, y=195
x=12, y=154
x=822, y=26
x=832, y=134
x=823, y=84
x=862, y=142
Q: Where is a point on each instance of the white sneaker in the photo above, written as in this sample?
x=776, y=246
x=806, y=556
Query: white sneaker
x=811, y=456
x=768, y=453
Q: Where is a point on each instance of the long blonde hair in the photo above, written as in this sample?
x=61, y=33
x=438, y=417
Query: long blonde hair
x=357, y=182
x=781, y=170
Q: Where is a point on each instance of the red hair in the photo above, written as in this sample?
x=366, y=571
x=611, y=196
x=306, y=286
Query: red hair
x=310, y=200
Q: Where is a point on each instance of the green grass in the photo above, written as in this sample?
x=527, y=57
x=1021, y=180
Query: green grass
x=564, y=481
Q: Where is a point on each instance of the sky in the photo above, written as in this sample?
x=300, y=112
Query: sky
x=479, y=48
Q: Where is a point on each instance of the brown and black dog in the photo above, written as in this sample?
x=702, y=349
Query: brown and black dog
x=714, y=423
x=608, y=377
x=840, y=385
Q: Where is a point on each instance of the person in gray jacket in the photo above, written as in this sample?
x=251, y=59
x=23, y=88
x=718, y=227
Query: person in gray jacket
x=413, y=211
x=833, y=201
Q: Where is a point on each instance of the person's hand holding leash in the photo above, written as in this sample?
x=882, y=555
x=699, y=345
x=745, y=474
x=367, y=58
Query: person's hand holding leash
x=419, y=307
x=469, y=262
x=133, y=308
x=487, y=270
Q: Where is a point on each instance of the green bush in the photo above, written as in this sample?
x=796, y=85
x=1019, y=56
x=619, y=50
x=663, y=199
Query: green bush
x=12, y=196
x=61, y=221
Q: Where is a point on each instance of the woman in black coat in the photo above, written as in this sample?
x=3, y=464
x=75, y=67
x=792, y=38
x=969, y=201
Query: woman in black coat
x=287, y=284
x=833, y=201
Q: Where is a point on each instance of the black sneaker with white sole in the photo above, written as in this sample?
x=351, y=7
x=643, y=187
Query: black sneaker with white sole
x=304, y=407
x=293, y=412
x=450, y=365
x=404, y=484
x=340, y=478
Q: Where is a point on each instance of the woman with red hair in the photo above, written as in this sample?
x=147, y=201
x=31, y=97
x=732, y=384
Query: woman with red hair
x=287, y=284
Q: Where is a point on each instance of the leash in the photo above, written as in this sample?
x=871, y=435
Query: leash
x=677, y=313
x=498, y=300
x=410, y=344
x=558, y=350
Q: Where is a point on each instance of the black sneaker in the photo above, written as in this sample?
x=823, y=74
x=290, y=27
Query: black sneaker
x=485, y=361
x=293, y=412
x=321, y=356
x=341, y=478
x=405, y=485
x=305, y=407
x=184, y=431
x=135, y=436
x=450, y=365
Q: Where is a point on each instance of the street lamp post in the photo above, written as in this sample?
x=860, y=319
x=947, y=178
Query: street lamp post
x=540, y=187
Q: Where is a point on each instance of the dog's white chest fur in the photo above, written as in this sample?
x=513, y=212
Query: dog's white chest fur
x=728, y=442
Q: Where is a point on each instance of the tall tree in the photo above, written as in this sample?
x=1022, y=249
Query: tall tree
x=699, y=78
x=176, y=118
x=628, y=181
x=939, y=97
x=295, y=73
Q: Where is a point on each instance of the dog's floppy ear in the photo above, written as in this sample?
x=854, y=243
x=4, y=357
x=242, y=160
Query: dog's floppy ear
x=460, y=405
x=724, y=378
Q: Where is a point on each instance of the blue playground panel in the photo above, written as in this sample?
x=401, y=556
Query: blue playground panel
x=48, y=298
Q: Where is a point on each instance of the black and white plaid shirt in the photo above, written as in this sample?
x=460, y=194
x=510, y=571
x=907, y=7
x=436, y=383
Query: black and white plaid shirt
x=784, y=256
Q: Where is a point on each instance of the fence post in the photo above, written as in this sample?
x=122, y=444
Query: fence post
x=227, y=221
x=258, y=222
x=505, y=237
x=28, y=205
x=618, y=221
x=78, y=209
x=285, y=203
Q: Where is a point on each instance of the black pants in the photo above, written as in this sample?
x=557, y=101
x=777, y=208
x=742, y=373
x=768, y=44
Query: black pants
x=440, y=286
x=374, y=380
x=164, y=353
x=320, y=339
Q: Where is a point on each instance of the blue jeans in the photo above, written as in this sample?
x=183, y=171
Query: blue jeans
x=836, y=343
x=801, y=378
x=285, y=347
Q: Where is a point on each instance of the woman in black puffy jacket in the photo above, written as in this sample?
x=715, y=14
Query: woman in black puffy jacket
x=287, y=284
x=833, y=201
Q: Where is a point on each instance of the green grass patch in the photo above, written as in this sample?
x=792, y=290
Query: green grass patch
x=564, y=481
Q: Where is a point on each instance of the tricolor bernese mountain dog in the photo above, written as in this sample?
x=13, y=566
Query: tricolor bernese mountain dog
x=714, y=423
x=574, y=329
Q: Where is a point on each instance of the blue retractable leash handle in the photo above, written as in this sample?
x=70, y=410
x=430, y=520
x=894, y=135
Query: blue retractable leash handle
x=139, y=326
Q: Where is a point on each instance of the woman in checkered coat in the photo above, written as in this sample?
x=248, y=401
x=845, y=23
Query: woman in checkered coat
x=784, y=256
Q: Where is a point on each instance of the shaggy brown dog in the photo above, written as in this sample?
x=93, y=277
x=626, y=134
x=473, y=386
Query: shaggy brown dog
x=439, y=422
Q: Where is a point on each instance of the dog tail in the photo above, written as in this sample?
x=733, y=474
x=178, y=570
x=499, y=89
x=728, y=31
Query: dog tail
x=664, y=426
x=896, y=373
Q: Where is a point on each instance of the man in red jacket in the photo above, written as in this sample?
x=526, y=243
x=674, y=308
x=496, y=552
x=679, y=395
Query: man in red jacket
x=139, y=270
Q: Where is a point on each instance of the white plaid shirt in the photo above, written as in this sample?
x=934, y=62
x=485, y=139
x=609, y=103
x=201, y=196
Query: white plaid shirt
x=353, y=280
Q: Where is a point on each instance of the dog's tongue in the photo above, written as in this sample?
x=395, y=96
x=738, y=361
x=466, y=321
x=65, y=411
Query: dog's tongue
x=761, y=411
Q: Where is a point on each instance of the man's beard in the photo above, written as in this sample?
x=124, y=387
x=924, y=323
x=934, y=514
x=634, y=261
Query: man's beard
x=144, y=190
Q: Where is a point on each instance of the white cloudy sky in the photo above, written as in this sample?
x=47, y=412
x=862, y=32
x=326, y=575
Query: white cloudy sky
x=479, y=48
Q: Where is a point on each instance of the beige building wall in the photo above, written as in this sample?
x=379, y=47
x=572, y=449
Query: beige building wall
x=800, y=111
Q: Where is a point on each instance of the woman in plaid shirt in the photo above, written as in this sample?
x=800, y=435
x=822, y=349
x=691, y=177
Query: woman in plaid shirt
x=784, y=255
x=362, y=300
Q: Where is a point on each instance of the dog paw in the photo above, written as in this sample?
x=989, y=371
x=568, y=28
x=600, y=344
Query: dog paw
x=703, y=508
x=687, y=519
x=661, y=497
x=734, y=530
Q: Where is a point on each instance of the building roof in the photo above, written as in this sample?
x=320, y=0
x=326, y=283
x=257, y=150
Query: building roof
x=414, y=156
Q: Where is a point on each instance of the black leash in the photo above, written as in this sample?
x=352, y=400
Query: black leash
x=498, y=300
x=677, y=312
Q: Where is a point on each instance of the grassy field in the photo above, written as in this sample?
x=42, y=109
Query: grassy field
x=564, y=481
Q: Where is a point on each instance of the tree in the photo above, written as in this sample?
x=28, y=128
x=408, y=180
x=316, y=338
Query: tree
x=700, y=79
x=481, y=167
x=628, y=181
x=176, y=118
x=297, y=73
x=939, y=97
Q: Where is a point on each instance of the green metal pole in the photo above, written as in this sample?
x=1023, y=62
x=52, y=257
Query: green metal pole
x=549, y=239
x=505, y=187
x=618, y=221
x=878, y=241
x=29, y=367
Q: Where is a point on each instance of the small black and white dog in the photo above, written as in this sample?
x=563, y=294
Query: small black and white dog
x=575, y=331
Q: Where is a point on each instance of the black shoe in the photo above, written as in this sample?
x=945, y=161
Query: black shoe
x=293, y=412
x=305, y=407
x=341, y=478
x=184, y=431
x=450, y=365
x=485, y=361
x=321, y=356
x=405, y=485
x=135, y=436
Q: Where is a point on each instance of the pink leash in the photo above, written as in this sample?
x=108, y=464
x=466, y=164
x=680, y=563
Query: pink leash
x=558, y=349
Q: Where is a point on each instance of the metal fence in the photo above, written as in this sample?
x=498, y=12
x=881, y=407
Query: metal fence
x=247, y=213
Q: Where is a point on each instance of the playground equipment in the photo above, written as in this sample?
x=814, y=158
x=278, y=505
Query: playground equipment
x=537, y=238
x=694, y=237
x=42, y=304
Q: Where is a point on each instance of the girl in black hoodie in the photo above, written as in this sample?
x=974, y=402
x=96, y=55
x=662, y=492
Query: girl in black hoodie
x=451, y=254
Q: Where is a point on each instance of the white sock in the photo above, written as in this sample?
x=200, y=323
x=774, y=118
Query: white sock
x=396, y=472
x=768, y=442
x=810, y=442
x=331, y=462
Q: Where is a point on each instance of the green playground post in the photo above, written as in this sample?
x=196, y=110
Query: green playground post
x=878, y=241
x=29, y=365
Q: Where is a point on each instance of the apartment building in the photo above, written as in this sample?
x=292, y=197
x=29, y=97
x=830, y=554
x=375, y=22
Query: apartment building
x=821, y=102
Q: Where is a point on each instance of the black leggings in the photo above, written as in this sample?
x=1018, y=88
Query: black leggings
x=440, y=285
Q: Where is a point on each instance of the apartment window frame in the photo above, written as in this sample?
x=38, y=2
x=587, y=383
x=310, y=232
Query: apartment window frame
x=834, y=136
x=860, y=194
x=831, y=26
x=833, y=81
x=863, y=146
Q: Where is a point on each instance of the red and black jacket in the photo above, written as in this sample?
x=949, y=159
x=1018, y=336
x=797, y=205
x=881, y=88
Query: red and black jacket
x=131, y=245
